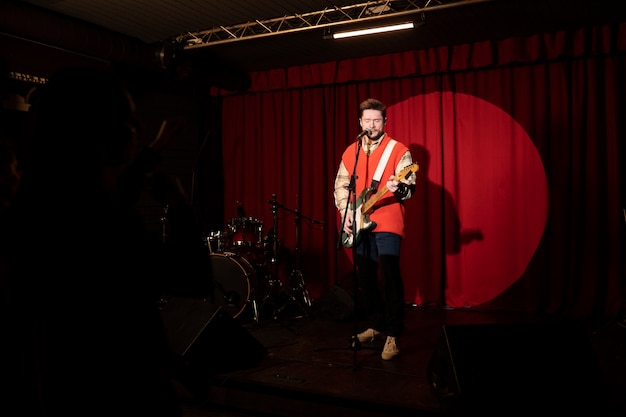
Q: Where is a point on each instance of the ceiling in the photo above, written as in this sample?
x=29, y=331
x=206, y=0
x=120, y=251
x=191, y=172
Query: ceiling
x=446, y=22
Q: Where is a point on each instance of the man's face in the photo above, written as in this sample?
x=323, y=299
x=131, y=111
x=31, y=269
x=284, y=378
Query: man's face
x=374, y=121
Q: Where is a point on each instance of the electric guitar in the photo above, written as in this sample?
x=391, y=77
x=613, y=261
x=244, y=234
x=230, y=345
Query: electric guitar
x=365, y=205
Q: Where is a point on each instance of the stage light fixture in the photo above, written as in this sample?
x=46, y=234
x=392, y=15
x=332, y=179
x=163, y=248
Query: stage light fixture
x=370, y=31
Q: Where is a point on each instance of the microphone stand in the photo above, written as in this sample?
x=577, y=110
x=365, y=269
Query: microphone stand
x=353, y=344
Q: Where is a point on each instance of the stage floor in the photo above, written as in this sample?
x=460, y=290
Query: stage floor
x=451, y=362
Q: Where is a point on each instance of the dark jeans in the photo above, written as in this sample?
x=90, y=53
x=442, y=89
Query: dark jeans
x=384, y=295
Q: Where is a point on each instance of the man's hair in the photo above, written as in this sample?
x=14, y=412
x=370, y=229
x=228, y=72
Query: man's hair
x=372, y=104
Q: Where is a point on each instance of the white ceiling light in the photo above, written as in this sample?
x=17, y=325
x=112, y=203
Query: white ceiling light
x=370, y=31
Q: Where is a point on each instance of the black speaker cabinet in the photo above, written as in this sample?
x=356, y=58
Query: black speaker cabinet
x=207, y=339
x=517, y=369
x=336, y=304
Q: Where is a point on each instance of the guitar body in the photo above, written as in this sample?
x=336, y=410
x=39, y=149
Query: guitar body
x=365, y=205
x=362, y=221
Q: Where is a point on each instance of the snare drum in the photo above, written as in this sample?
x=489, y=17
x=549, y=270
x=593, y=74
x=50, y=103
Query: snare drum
x=215, y=241
x=245, y=232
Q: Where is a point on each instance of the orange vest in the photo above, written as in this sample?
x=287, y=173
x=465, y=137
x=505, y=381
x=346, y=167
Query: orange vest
x=388, y=212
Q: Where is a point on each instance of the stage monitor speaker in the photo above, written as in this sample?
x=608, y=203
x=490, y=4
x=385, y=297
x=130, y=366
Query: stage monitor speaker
x=517, y=369
x=336, y=304
x=207, y=339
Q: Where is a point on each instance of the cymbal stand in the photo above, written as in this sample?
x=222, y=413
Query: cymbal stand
x=297, y=286
x=296, y=279
x=297, y=291
x=273, y=282
x=164, y=224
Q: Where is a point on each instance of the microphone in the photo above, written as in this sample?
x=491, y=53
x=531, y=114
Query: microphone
x=363, y=133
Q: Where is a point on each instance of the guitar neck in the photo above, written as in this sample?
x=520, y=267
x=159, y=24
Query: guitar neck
x=367, y=206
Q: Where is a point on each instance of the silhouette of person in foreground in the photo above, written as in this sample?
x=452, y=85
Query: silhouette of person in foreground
x=85, y=275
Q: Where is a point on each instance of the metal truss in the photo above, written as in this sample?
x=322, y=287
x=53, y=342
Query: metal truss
x=327, y=18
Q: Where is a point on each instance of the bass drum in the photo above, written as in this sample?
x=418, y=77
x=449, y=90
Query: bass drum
x=232, y=276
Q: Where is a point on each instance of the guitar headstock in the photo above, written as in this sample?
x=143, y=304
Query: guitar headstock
x=408, y=170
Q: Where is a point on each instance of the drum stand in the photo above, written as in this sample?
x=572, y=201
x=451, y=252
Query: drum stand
x=297, y=292
x=295, y=278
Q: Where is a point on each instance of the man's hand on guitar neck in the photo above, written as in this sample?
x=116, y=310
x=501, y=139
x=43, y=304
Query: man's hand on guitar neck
x=392, y=184
x=397, y=188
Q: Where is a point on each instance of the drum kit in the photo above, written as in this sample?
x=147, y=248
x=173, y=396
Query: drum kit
x=244, y=267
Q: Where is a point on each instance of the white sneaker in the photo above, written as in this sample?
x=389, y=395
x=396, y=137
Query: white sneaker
x=390, y=350
x=368, y=335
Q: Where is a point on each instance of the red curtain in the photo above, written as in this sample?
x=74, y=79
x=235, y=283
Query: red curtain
x=520, y=197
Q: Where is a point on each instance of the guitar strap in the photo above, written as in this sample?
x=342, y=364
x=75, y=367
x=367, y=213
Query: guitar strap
x=381, y=165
